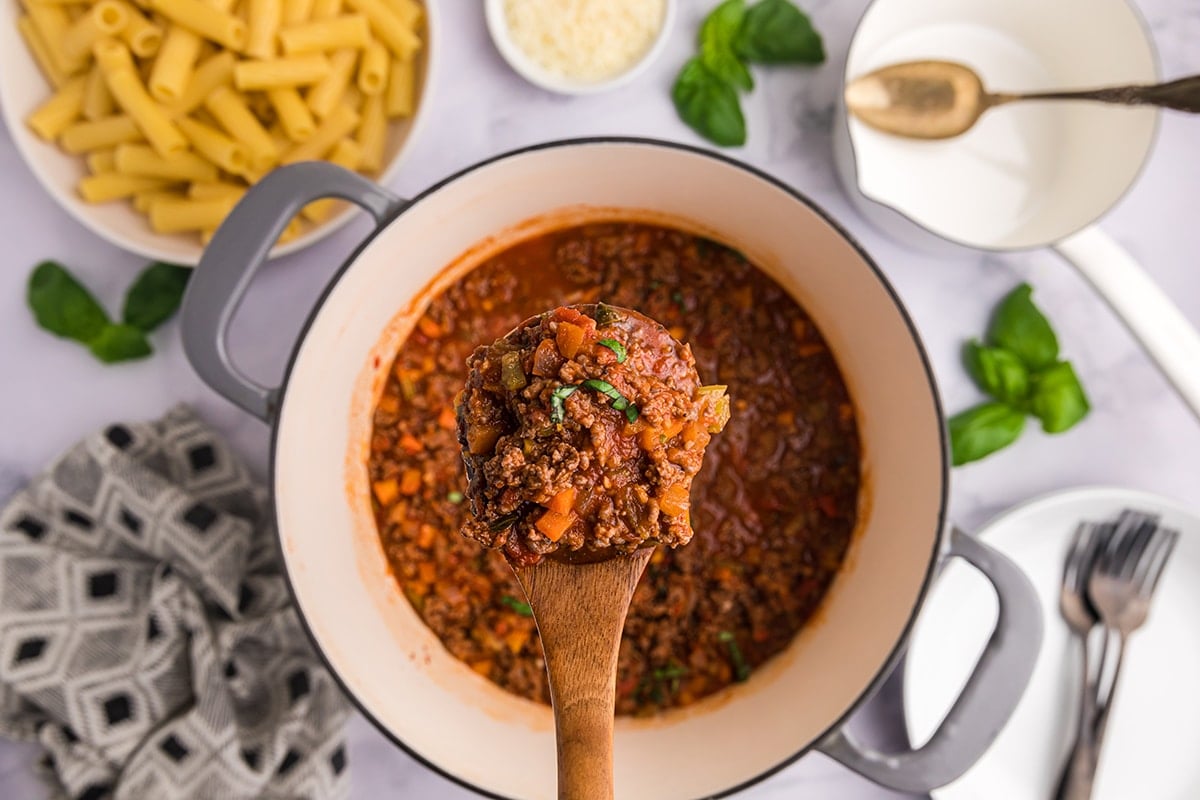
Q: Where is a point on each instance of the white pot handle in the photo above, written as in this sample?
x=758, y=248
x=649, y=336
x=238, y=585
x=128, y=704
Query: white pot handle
x=1154, y=320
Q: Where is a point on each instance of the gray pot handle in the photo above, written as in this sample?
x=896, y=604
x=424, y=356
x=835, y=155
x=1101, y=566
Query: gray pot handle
x=239, y=248
x=986, y=702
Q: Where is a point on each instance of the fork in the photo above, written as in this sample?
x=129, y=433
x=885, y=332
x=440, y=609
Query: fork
x=1124, y=574
x=1121, y=588
x=1090, y=539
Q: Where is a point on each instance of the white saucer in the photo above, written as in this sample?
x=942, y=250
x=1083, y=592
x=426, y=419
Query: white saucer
x=1152, y=749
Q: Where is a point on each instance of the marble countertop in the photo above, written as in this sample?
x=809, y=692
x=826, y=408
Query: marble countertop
x=1139, y=433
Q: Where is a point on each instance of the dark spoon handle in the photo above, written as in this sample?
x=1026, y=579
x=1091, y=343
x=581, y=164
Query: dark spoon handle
x=1182, y=95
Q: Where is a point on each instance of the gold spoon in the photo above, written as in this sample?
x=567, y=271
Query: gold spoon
x=942, y=99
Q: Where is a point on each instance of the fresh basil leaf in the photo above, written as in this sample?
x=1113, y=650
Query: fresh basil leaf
x=997, y=371
x=709, y=105
x=776, y=32
x=1017, y=325
x=62, y=305
x=717, y=35
x=981, y=431
x=118, y=343
x=155, y=295
x=1058, y=399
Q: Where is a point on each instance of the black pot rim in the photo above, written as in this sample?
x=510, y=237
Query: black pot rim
x=884, y=670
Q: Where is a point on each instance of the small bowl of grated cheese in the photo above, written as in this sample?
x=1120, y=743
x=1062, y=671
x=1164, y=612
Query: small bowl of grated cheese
x=579, y=46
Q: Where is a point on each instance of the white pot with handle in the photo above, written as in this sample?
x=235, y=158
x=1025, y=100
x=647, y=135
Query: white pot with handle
x=394, y=667
x=1028, y=175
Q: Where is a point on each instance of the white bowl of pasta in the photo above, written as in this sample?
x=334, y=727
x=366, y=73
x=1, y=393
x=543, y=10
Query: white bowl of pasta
x=147, y=121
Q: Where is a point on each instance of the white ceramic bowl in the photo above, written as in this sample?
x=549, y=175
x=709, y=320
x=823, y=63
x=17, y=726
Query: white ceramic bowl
x=535, y=73
x=23, y=88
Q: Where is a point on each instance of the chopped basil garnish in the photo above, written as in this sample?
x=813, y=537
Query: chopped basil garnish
x=616, y=347
x=557, y=410
x=606, y=315
x=516, y=605
x=504, y=522
x=620, y=402
x=741, y=670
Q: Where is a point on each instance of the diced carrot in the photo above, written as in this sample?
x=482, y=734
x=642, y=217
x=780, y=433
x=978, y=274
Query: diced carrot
x=563, y=502
x=410, y=444
x=446, y=419
x=516, y=640
x=553, y=524
x=649, y=438
x=429, y=328
x=389, y=404
x=385, y=490
x=800, y=328
x=569, y=339
x=810, y=350
x=571, y=315
x=695, y=432
x=410, y=481
x=786, y=419
x=675, y=501
x=379, y=443
x=678, y=332
x=723, y=574
x=483, y=667
x=426, y=536
x=427, y=572
x=398, y=514
x=546, y=359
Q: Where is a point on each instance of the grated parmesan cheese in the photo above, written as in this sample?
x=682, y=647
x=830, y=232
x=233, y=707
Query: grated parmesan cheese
x=586, y=40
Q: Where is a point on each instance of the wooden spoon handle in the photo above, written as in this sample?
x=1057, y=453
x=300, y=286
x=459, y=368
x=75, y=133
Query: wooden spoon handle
x=580, y=611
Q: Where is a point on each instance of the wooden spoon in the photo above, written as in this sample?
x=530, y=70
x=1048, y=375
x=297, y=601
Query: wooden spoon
x=580, y=611
x=942, y=99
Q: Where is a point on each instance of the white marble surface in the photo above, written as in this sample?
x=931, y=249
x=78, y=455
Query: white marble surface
x=1139, y=434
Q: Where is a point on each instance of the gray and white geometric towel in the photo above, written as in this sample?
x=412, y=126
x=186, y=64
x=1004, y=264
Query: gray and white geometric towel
x=147, y=639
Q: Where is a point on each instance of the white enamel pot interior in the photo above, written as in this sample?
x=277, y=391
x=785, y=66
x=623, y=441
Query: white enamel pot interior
x=1028, y=174
x=387, y=660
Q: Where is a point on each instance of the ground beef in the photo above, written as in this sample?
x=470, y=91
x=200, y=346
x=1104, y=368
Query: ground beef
x=581, y=432
x=773, y=508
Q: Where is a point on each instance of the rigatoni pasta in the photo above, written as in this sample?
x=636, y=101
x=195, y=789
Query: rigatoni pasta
x=323, y=35
x=141, y=35
x=179, y=106
x=373, y=69
x=139, y=159
x=264, y=18
x=53, y=117
x=297, y=121
x=279, y=72
x=84, y=137
x=105, y=18
x=127, y=88
x=55, y=75
x=328, y=92
x=229, y=109
x=98, y=101
x=204, y=20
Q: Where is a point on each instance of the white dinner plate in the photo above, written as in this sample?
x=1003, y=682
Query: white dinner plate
x=1152, y=748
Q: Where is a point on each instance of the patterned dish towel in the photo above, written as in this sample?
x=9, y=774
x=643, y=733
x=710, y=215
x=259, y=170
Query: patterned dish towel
x=147, y=638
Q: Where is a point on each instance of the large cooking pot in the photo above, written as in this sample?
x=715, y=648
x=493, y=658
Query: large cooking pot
x=395, y=669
